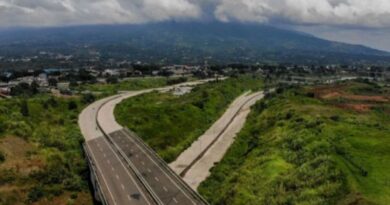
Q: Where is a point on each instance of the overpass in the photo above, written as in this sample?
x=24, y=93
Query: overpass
x=124, y=170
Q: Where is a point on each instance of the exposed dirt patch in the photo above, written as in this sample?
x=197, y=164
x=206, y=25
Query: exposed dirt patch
x=17, y=155
x=65, y=199
x=356, y=107
x=339, y=91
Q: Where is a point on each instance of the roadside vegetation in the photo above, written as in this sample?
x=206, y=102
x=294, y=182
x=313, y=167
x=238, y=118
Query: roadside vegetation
x=130, y=84
x=169, y=123
x=41, y=147
x=41, y=156
x=312, y=145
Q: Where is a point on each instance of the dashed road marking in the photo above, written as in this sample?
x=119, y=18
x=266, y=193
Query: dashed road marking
x=150, y=171
x=165, y=189
x=117, y=176
x=123, y=187
x=155, y=178
x=175, y=200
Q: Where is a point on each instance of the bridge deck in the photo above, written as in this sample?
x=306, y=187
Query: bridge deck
x=166, y=186
x=119, y=184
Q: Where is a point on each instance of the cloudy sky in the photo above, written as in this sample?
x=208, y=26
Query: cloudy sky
x=355, y=21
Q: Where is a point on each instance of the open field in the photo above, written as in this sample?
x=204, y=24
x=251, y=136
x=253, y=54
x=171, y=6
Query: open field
x=169, y=123
x=299, y=147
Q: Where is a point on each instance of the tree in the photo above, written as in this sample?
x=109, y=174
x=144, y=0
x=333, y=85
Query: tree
x=34, y=87
x=53, y=82
x=88, y=98
x=2, y=157
x=112, y=80
x=24, y=108
x=72, y=105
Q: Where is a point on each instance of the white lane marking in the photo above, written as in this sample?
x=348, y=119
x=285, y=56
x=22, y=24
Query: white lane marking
x=128, y=173
x=128, y=197
x=175, y=200
x=123, y=187
x=142, y=162
x=177, y=186
x=117, y=176
x=149, y=170
x=165, y=189
x=155, y=178
x=101, y=174
x=104, y=155
x=136, y=155
x=112, y=168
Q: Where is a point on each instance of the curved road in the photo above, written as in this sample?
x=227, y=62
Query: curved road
x=127, y=171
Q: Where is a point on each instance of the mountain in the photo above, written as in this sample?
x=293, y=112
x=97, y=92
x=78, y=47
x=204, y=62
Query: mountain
x=187, y=43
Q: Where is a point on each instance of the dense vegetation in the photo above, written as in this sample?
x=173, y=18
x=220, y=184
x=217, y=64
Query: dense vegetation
x=43, y=143
x=41, y=157
x=302, y=147
x=131, y=84
x=170, y=123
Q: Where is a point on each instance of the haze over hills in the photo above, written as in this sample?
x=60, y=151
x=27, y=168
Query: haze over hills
x=187, y=43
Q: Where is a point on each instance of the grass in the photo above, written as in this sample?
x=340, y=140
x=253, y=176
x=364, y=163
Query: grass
x=295, y=149
x=41, y=144
x=43, y=149
x=169, y=124
x=130, y=84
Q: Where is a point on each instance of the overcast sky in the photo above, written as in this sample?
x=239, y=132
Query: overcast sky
x=355, y=21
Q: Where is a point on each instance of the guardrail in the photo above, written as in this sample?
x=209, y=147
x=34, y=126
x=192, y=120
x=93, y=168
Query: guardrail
x=165, y=166
x=131, y=166
x=93, y=170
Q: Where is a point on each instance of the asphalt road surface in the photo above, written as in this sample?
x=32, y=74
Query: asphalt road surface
x=118, y=182
x=134, y=175
x=163, y=184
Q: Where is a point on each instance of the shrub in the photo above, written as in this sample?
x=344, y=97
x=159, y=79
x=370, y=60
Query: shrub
x=35, y=194
x=72, y=105
x=88, y=98
x=335, y=118
x=2, y=157
x=24, y=110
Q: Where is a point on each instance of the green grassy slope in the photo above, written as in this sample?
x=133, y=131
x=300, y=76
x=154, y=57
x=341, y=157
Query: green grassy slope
x=44, y=159
x=296, y=149
x=169, y=124
x=41, y=157
x=130, y=84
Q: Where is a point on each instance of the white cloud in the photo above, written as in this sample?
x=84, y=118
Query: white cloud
x=73, y=12
x=368, y=13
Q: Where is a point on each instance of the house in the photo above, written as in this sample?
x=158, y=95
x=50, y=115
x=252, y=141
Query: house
x=63, y=86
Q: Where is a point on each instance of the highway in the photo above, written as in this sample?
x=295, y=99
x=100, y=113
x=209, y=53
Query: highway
x=118, y=183
x=127, y=170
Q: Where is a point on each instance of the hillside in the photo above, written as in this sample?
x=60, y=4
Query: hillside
x=186, y=43
x=321, y=145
